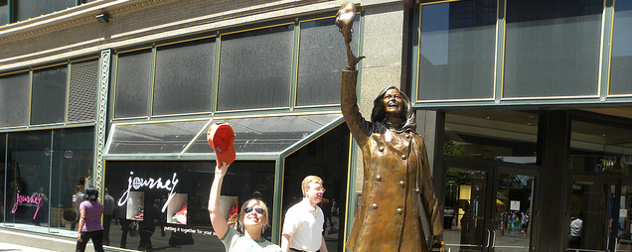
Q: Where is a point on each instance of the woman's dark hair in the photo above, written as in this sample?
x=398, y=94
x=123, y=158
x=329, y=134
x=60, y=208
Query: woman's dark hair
x=378, y=114
x=92, y=193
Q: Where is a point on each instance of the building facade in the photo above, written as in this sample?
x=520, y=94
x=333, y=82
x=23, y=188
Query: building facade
x=525, y=107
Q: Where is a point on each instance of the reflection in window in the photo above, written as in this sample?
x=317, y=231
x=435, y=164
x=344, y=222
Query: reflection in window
x=457, y=50
x=320, y=62
x=591, y=204
x=621, y=60
x=48, y=102
x=14, y=100
x=601, y=147
x=258, y=61
x=184, y=75
x=508, y=136
x=552, y=48
x=133, y=78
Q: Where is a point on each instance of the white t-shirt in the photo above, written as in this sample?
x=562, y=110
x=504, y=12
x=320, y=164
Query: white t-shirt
x=235, y=241
x=576, y=227
x=304, y=224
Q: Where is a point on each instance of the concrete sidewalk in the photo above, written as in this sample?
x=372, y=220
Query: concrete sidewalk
x=14, y=247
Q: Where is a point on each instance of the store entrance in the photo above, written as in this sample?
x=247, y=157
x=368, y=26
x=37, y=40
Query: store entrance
x=600, y=214
x=488, y=205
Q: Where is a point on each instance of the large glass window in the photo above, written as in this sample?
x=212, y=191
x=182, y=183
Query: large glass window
x=72, y=157
x=14, y=100
x=45, y=171
x=456, y=50
x=133, y=79
x=621, y=60
x=84, y=80
x=326, y=157
x=184, y=77
x=508, y=136
x=321, y=61
x=48, y=103
x=552, y=48
x=33, y=8
x=601, y=145
x=255, y=69
x=28, y=178
x=181, y=207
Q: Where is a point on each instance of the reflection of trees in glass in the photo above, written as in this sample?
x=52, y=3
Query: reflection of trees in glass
x=451, y=148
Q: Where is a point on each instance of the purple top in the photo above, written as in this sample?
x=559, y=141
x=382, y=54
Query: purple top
x=94, y=209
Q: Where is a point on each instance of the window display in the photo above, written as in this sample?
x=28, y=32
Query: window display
x=153, y=197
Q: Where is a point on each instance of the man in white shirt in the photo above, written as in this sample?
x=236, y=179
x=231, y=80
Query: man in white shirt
x=576, y=232
x=303, y=225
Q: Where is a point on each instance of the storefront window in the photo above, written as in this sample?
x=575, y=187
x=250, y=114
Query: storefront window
x=320, y=61
x=621, y=49
x=260, y=62
x=173, y=196
x=552, y=48
x=184, y=76
x=133, y=78
x=14, y=100
x=72, y=170
x=456, y=55
x=328, y=158
x=43, y=169
x=508, y=136
x=28, y=176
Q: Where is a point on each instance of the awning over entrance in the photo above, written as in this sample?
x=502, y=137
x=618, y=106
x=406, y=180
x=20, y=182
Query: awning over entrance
x=261, y=137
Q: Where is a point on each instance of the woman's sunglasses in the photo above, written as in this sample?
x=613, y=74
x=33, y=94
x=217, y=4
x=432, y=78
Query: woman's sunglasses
x=257, y=209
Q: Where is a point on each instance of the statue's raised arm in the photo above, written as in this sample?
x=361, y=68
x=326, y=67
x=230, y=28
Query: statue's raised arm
x=344, y=21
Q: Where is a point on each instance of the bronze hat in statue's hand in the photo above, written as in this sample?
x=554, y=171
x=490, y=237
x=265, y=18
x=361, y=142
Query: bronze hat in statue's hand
x=344, y=20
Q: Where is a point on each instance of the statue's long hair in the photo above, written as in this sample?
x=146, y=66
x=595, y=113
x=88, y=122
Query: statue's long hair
x=378, y=115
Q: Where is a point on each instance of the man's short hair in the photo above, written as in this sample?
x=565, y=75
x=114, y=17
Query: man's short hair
x=308, y=180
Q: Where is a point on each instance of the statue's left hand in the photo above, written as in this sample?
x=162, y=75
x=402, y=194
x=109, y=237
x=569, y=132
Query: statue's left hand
x=438, y=244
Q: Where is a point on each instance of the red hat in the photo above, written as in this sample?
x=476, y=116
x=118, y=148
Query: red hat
x=220, y=137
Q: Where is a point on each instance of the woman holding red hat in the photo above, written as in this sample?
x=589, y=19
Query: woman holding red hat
x=253, y=219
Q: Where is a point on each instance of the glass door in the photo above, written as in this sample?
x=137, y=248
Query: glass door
x=624, y=224
x=591, y=214
x=513, y=205
x=488, y=206
x=466, y=223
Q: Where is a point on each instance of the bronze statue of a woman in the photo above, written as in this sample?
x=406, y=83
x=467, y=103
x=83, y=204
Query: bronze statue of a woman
x=397, y=177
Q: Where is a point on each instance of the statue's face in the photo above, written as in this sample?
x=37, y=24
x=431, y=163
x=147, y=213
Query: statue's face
x=393, y=103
